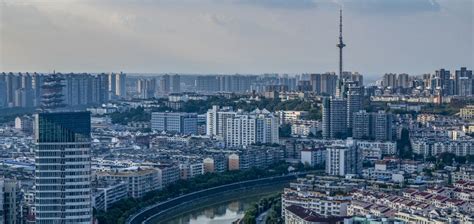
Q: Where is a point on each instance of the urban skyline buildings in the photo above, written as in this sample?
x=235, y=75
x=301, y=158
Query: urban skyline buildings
x=334, y=117
x=179, y=123
x=256, y=127
x=343, y=159
x=376, y=125
x=242, y=129
x=148, y=146
x=63, y=167
x=82, y=89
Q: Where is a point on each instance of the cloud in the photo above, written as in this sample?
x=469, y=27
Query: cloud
x=230, y=36
x=280, y=4
x=362, y=6
x=390, y=6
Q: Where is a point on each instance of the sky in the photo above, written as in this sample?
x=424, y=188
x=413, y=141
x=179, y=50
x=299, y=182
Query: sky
x=235, y=36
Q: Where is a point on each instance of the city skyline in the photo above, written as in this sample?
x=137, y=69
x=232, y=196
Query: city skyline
x=235, y=36
x=236, y=111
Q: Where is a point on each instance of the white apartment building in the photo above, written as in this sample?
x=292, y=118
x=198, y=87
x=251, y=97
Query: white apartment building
x=139, y=180
x=290, y=116
x=167, y=174
x=190, y=170
x=259, y=126
x=216, y=120
x=305, y=127
x=322, y=204
x=343, y=159
x=106, y=196
x=313, y=157
x=376, y=149
x=427, y=147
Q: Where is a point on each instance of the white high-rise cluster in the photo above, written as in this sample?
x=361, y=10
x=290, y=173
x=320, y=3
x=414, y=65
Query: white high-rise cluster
x=240, y=129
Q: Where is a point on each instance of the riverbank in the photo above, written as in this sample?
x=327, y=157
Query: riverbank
x=219, y=198
x=121, y=211
x=153, y=211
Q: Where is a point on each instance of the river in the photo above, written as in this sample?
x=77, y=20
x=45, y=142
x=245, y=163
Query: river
x=219, y=213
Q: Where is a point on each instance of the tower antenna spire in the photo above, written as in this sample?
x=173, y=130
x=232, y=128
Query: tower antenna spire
x=340, y=45
x=340, y=24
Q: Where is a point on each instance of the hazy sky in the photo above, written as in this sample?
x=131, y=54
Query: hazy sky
x=235, y=36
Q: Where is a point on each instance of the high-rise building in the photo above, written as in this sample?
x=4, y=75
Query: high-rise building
x=390, y=80
x=465, y=87
x=117, y=85
x=63, y=168
x=23, y=98
x=362, y=125
x=101, y=88
x=383, y=130
x=315, y=80
x=165, y=83
x=175, y=83
x=328, y=84
x=10, y=198
x=13, y=82
x=207, y=83
x=343, y=159
x=464, y=82
x=403, y=80
x=353, y=77
x=259, y=126
x=355, y=97
x=112, y=85
x=181, y=123
x=37, y=82
x=240, y=131
x=324, y=84
x=444, y=82
x=376, y=126
x=334, y=123
x=3, y=91
x=2, y=211
x=30, y=90
x=146, y=88
x=121, y=88
x=216, y=120
x=225, y=83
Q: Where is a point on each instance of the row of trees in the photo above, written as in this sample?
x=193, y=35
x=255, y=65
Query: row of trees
x=134, y=114
x=121, y=210
x=274, y=214
x=449, y=159
x=201, y=107
x=269, y=204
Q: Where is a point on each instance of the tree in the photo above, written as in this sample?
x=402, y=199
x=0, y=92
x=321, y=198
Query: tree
x=285, y=131
x=404, y=146
x=134, y=114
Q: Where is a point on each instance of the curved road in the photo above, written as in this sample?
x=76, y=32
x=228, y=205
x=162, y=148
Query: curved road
x=161, y=208
x=262, y=217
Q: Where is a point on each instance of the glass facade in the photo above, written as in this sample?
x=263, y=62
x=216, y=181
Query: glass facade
x=63, y=168
x=63, y=127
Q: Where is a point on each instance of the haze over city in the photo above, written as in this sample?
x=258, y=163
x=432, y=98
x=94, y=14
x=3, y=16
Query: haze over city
x=236, y=112
x=235, y=36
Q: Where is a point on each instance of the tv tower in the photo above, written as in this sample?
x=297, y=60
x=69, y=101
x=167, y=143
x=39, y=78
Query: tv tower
x=340, y=46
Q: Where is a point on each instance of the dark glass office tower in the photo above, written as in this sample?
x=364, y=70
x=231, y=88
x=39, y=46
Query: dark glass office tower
x=63, y=168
